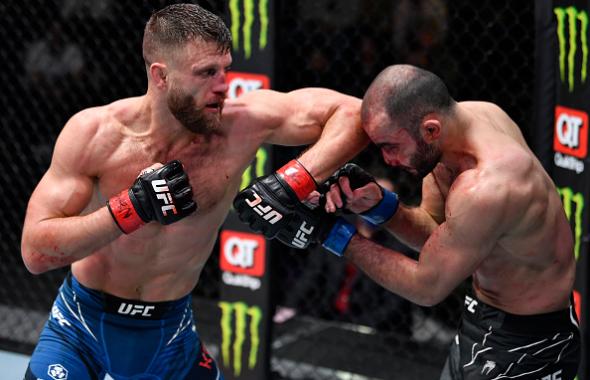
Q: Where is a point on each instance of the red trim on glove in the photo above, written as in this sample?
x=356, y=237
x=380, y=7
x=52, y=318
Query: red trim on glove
x=298, y=178
x=124, y=213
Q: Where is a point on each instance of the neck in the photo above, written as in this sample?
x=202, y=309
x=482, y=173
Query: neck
x=457, y=152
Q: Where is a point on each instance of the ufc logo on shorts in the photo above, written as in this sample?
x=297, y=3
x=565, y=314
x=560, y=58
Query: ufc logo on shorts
x=131, y=309
x=471, y=304
x=163, y=193
x=268, y=213
x=300, y=238
x=553, y=376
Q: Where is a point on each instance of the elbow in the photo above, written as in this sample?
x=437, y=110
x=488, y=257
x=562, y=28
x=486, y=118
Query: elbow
x=428, y=300
x=429, y=291
x=33, y=262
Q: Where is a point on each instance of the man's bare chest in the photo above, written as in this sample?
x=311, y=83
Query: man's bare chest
x=213, y=175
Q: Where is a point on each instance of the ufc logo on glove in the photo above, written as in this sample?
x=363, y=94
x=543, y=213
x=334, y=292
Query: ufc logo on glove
x=267, y=212
x=163, y=193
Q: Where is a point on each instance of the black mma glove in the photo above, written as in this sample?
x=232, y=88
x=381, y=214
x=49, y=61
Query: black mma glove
x=307, y=226
x=379, y=213
x=164, y=195
x=267, y=204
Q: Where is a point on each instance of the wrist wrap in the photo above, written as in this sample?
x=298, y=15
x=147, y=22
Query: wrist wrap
x=339, y=237
x=298, y=179
x=125, y=215
x=382, y=211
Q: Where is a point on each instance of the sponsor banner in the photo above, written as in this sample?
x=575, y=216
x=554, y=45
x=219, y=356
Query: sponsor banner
x=240, y=83
x=252, y=29
x=562, y=30
x=240, y=337
x=243, y=253
x=244, y=257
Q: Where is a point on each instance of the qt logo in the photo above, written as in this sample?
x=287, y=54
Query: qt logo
x=571, y=132
x=241, y=83
x=243, y=253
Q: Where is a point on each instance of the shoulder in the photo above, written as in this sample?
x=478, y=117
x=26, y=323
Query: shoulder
x=89, y=137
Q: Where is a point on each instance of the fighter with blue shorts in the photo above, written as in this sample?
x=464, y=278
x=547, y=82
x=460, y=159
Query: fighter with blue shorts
x=138, y=190
x=94, y=335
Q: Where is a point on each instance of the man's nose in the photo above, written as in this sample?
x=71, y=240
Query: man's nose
x=221, y=85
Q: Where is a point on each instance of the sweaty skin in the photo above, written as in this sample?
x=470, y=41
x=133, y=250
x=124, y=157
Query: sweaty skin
x=489, y=210
x=102, y=150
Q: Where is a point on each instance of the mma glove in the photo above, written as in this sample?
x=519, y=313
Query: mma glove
x=380, y=212
x=164, y=195
x=267, y=205
x=306, y=226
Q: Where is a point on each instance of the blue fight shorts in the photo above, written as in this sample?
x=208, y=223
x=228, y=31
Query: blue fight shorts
x=94, y=335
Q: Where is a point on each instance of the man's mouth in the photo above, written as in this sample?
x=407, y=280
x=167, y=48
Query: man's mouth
x=214, y=106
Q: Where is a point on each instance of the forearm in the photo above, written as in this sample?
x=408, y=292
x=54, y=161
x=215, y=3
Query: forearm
x=412, y=226
x=58, y=242
x=342, y=138
x=392, y=270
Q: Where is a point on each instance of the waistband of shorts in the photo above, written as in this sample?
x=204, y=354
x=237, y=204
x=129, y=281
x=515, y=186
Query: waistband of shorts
x=479, y=311
x=122, y=307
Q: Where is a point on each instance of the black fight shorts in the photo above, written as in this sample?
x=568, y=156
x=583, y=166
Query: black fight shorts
x=494, y=345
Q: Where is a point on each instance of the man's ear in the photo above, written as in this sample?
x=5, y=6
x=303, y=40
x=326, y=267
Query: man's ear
x=158, y=74
x=430, y=129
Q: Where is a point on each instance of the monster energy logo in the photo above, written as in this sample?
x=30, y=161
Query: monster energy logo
x=236, y=314
x=257, y=166
x=246, y=29
x=570, y=198
x=571, y=18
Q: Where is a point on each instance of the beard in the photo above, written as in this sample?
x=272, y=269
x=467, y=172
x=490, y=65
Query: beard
x=182, y=106
x=425, y=159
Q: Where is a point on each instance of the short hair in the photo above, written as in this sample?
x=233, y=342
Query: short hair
x=407, y=94
x=178, y=24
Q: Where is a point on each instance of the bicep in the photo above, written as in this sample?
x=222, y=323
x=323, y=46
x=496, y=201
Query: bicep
x=59, y=195
x=455, y=249
x=65, y=189
x=296, y=117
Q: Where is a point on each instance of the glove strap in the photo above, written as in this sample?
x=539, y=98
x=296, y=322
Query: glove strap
x=124, y=213
x=382, y=211
x=298, y=179
x=339, y=237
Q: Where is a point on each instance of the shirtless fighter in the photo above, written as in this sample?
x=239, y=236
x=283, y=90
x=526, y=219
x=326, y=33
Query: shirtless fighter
x=125, y=309
x=488, y=211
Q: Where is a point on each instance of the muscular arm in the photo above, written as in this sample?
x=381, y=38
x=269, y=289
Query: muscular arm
x=413, y=225
x=327, y=118
x=452, y=253
x=54, y=233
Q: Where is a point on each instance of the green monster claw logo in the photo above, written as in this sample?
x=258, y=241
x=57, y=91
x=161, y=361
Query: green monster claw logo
x=258, y=166
x=568, y=197
x=241, y=311
x=571, y=18
x=248, y=18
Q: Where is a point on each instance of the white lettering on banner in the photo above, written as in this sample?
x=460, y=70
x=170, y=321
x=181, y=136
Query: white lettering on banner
x=568, y=162
x=240, y=252
x=241, y=280
x=241, y=86
x=570, y=135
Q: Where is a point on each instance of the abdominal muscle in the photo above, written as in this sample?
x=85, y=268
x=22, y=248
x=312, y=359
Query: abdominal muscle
x=155, y=263
x=522, y=289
